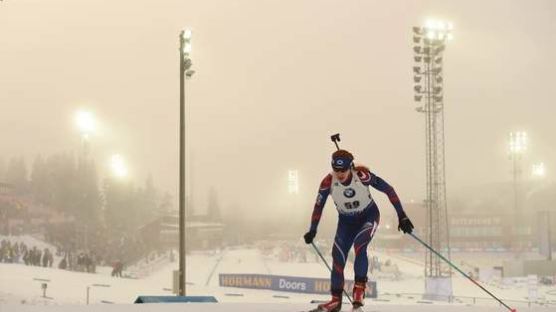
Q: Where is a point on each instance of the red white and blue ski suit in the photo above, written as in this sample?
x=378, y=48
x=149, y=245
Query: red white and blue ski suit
x=358, y=218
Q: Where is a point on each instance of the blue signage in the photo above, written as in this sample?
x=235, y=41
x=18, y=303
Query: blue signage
x=287, y=283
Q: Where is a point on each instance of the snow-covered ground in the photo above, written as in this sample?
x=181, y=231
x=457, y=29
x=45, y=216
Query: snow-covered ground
x=251, y=307
x=20, y=287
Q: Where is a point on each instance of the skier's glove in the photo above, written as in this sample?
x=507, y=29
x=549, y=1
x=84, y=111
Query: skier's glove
x=405, y=224
x=309, y=236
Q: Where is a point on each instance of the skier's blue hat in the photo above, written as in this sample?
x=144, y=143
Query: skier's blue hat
x=341, y=163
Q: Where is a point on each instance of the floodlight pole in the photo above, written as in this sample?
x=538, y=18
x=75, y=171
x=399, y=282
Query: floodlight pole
x=515, y=179
x=185, y=73
x=515, y=234
x=181, y=288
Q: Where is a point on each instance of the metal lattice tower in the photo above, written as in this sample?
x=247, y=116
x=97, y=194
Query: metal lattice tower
x=430, y=42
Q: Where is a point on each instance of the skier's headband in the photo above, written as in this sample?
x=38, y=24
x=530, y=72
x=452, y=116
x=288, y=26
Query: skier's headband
x=341, y=163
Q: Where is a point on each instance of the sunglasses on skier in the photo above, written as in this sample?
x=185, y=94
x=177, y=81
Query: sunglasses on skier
x=340, y=169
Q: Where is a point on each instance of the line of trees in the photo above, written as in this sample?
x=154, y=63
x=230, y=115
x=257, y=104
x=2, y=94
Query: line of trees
x=70, y=185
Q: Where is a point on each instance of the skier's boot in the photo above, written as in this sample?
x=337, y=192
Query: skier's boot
x=359, y=292
x=334, y=305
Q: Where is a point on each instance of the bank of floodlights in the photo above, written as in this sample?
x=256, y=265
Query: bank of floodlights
x=518, y=143
x=430, y=42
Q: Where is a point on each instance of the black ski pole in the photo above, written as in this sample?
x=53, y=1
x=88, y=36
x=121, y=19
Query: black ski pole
x=336, y=138
x=463, y=273
x=329, y=268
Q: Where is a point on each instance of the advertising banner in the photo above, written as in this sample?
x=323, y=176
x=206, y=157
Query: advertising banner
x=287, y=283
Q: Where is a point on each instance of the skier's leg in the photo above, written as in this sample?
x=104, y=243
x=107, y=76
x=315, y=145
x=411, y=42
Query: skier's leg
x=360, y=244
x=342, y=244
x=340, y=250
x=361, y=263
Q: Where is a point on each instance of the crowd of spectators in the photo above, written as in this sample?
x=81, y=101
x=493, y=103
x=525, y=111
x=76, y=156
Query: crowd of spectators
x=84, y=249
x=19, y=252
x=72, y=246
x=75, y=250
x=80, y=261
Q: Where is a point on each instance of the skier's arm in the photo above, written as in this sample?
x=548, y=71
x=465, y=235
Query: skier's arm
x=324, y=191
x=369, y=178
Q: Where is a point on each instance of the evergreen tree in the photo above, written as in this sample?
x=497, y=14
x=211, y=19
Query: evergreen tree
x=62, y=183
x=16, y=175
x=119, y=205
x=88, y=199
x=149, y=199
x=2, y=170
x=39, y=181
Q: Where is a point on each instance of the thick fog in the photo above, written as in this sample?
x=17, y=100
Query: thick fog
x=274, y=79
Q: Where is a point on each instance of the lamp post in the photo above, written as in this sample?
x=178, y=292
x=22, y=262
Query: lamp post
x=185, y=73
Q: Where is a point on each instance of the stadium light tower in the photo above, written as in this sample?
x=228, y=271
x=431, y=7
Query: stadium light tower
x=517, y=147
x=185, y=73
x=544, y=217
x=518, y=143
x=429, y=44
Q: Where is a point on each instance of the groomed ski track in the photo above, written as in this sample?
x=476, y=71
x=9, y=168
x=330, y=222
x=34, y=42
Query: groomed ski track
x=249, y=307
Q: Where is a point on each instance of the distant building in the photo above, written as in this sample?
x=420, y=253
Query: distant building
x=200, y=234
x=488, y=230
x=6, y=188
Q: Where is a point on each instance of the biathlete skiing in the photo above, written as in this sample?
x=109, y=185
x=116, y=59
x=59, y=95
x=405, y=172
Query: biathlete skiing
x=358, y=219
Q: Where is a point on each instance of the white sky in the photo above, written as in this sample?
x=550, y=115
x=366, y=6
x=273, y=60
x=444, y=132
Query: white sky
x=274, y=80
